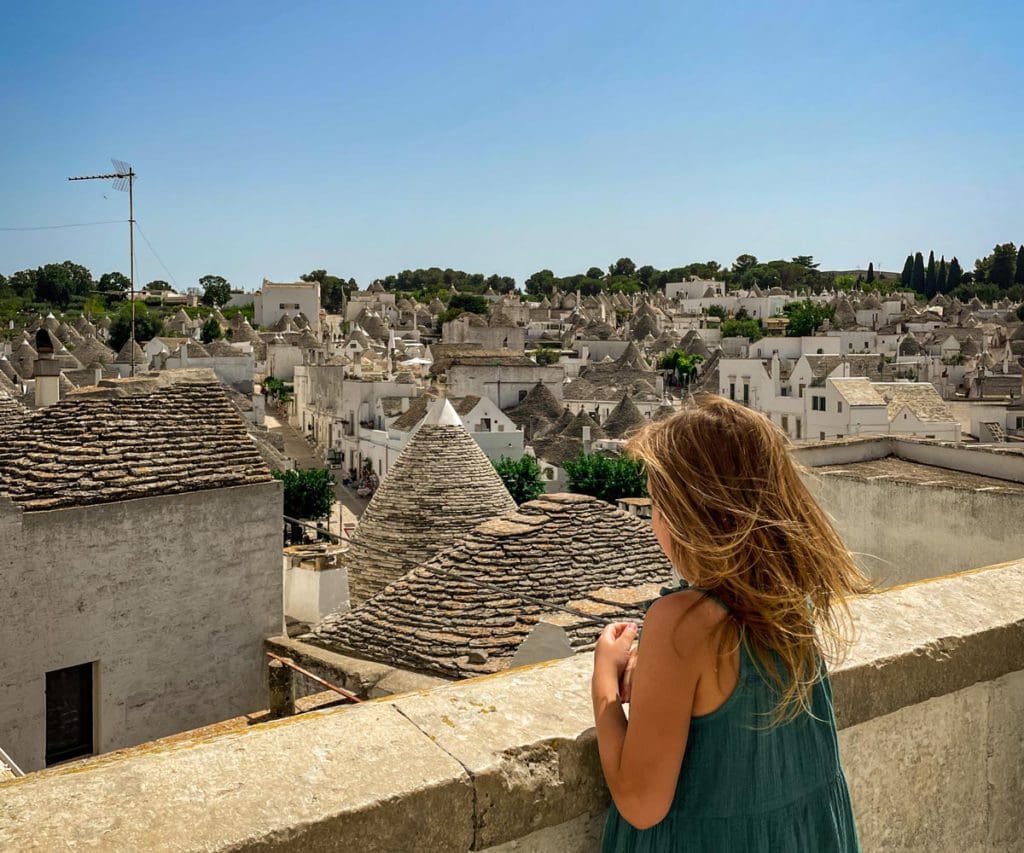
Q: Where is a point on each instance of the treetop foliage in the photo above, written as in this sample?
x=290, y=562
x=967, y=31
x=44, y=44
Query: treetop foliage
x=308, y=492
x=606, y=477
x=521, y=477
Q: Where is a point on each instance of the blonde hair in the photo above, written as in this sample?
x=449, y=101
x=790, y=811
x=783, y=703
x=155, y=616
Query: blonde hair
x=745, y=528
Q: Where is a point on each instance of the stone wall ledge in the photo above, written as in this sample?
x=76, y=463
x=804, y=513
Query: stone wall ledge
x=475, y=764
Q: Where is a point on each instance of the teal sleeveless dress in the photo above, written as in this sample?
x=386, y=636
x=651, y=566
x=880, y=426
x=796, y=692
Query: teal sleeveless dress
x=748, y=786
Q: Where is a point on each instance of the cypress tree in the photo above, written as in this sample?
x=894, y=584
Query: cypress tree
x=1018, y=276
x=955, y=274
x=908, y=271
x=940, y=284
x=917, y=275
x=871, y=271
x=930, y=278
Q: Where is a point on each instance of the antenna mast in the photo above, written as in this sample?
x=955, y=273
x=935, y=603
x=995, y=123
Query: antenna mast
x=124, y=180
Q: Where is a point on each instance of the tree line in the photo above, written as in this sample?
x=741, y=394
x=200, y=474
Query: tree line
x=998, y=274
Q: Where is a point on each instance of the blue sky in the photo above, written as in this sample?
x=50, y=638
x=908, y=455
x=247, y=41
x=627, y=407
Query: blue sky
x=274, y=138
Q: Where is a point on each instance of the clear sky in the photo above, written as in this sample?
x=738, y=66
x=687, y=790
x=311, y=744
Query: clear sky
x=272, y=138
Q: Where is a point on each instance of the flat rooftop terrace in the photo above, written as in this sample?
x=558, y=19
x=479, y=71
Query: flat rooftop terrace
x=917, y=474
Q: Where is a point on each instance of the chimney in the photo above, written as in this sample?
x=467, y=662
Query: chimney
x=586, y=439
x=47, y=371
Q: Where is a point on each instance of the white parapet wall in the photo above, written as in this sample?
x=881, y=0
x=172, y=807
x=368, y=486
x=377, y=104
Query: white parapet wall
x=930, y=705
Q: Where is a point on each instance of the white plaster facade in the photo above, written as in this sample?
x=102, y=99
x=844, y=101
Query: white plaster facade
x=273, y=300
x=169, y=598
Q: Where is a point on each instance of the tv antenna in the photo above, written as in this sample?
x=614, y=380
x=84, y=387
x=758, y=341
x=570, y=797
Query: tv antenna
x=124, y=181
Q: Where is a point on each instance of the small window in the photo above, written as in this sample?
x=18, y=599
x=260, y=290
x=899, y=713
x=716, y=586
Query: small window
x=785, y=423
x=802, y=386
x=732, y=390
x=549, y=473
x=69, y=713
x=485, y=425
x=522, y=396
x=1020, y=423
x=839, y=406
x=821, y=435
x=746, y=394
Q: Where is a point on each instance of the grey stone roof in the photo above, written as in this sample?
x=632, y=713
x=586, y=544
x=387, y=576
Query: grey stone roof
x=857, y=364
x=921, y=398
x=538, y=409
x=12, y=413
x=125, y=355
x=137, y=438
x=623, y=418
x=559, y=548
x=92, y=350
x=438, y=489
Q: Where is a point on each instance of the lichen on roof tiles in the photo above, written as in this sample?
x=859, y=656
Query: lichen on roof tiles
x=179, y=437
x=560, y=548
x=440, y=486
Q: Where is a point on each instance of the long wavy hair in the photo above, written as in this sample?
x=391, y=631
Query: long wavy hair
x=744, y=527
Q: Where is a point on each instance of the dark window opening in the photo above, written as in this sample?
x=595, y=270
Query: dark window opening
x=68, y=713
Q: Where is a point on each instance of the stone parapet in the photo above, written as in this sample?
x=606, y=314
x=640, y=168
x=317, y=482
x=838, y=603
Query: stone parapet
x=931, y=703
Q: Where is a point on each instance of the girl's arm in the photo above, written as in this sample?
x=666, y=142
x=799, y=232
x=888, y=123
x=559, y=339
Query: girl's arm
x=641, y=761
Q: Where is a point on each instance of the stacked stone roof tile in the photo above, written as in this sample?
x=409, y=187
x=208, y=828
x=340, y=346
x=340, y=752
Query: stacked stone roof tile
x=438, y=489
x=179, y=437
x=559, y=549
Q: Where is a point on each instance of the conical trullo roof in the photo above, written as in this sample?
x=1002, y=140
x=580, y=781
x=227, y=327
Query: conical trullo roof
x=440, y=487
x=125, y=355
x=624, y=417
x=577, y=424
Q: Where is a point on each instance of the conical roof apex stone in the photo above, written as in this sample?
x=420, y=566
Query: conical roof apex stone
x=438, y=489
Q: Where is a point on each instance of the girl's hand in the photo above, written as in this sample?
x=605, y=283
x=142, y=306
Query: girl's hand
x=626, y=679
x=614, y=648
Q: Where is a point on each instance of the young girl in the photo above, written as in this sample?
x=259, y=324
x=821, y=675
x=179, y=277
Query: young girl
x=731, y=740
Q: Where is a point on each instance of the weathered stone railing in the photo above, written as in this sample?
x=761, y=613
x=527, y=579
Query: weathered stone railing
x=930, y=703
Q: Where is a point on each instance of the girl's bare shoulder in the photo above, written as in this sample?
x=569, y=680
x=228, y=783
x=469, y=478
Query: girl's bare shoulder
x=682, y=619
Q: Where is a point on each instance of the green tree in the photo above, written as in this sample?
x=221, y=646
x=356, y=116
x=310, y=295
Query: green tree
x=54, y=285
x=906, y=277
x=308, y=492
x=157, y=285
x=541, y=283
x=521, y=477
x=718, y=311
x=80, y=279
x=743, y=263
x=930, y=277
x=147, y=325
x=23, y=283
x=917, y=276
x=942, y=282
x=871, y=273
x=747, y=328
x=546, y=355
x=805, y=317
x=595, y=273
x=333, y=289
x=468, y=302
x=954, y=276
x=681, y=363
x=623, y=266
x=606, y=477
x=1003, y=265
x=1020, y=313
x=805, y=261
x=211, y=330
x=216, y=290
x=114, y=282
x=1018, y=276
